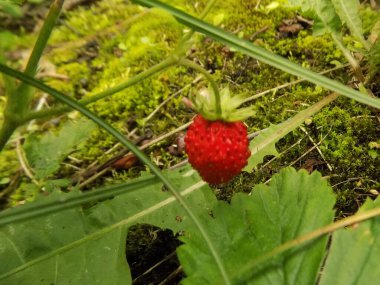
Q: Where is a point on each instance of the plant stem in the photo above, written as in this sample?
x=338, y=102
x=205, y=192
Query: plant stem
x=24, y=90
x=18, y=101
x=214, y=86
x=170, y=61
x=143, y=158
x=355, y=65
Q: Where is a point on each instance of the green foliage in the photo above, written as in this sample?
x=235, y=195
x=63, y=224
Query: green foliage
x=348, y=13
x=7, y=40
x=356, y=248
x=374, y=55
x=88, y=244
x=64, y=245
x=347, y=132
x=116, y=59
x=263, y=55
x=264, y=144
x=292, y=205
x=305, y=49
x=369, y=18
x=92, y=239
x=11, y=7
x=8, y=162
x=326, y=17
x=314, y=51
x=45, y=153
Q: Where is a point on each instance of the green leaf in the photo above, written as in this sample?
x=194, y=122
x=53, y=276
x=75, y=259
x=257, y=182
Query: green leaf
x=354, y=254
x=261, y=54
x=264, y=144
x=304, y=4
x=45, y=153
x=348, y=13
x=295, y=203
x=326, y=18
x=87, y=246
x=11, y=8
x=326, y=12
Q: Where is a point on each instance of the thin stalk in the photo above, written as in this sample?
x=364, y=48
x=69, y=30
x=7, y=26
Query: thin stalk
x=250, y=268
x=170, y=61
x=143, y=158
x=214, y=86
x=18, y=101
x=25, y=94
x=355, y=65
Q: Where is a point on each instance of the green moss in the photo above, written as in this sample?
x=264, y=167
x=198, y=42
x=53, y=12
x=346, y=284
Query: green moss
x=8, y=163
x=76, y=72
x=369, y=17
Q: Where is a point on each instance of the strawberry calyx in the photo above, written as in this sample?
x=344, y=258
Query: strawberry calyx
x=207, y=106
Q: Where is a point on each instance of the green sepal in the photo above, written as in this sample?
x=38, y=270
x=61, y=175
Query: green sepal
x=206, y=106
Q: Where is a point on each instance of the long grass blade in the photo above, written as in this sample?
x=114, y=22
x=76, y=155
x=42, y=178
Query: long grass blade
x=261, y=54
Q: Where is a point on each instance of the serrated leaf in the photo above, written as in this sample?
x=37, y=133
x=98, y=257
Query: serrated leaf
x=264, y=144
x=45, y=153
x=357, y=250
x=327, y=21
x=87, y=246
x=304, y=4
x=348, y=13
x=295, y=203
x=326, y=12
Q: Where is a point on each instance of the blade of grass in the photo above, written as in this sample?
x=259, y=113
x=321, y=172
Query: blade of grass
x=261, y=54
x=19, y=214
x=143, y=158
x=265, y=144
x=170, y=61
x=18, y=101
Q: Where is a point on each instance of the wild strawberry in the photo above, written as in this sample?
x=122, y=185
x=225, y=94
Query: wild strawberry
x=216, y=142
x=218, y=150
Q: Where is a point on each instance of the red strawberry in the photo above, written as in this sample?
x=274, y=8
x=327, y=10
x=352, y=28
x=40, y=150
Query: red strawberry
x=218, y=150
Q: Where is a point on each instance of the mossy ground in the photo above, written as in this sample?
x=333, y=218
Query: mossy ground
x=112, y=41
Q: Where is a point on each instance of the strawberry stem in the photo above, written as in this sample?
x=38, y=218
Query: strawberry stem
x=214, y=86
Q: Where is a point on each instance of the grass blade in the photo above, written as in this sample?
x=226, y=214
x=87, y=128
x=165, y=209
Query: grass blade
x=261, y=54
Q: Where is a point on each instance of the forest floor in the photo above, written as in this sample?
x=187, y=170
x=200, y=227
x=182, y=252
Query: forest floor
x=99, y=43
